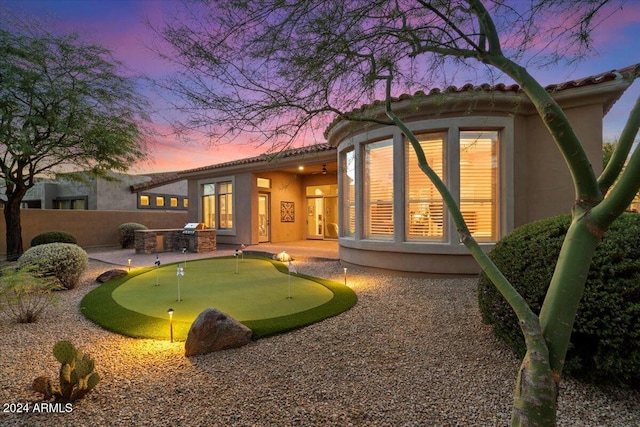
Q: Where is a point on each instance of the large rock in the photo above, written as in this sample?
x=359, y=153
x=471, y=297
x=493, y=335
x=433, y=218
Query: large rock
x=214, y=330
x=111, y=274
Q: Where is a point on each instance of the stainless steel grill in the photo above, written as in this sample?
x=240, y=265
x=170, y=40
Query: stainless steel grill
x=191, y=227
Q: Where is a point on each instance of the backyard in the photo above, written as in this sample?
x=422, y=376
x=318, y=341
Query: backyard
x=412, y=351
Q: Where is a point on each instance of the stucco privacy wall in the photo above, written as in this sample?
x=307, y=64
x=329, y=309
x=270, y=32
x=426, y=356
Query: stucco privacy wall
x=90, y=228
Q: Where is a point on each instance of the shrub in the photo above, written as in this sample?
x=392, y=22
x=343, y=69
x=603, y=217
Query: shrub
x=24, y=295
x=605, y=343
x=53, y=237
x=127, y=233
x=64, y=261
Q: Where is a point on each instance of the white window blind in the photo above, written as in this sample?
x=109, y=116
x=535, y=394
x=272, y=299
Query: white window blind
x=225, y=204
x=209, y=210
x=348, y=193
x=479, y=183
x=379, y=189
x=424, y=208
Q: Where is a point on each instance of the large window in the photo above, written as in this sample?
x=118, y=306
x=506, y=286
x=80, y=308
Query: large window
x=479, y=183
x=378, y=190
x=225, y=205
x=424, y=205
x=217, y=205
x=348, y=166
x=468, y=163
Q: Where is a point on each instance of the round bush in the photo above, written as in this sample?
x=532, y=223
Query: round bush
x=53, y=237
x=605, y=342
x=127, y=233
x=64, y=261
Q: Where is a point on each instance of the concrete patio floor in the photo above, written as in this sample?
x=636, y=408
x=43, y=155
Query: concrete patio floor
x=299, y=250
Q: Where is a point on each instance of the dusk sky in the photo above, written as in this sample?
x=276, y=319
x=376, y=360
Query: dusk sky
x=119, y=26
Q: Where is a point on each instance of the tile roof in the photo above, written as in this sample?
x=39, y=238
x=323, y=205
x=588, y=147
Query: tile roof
x=630, y=73
x=169, y=177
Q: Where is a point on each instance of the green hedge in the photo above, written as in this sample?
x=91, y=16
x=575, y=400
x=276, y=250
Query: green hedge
x=127, y=233
x=53, y=237
x=605, y=343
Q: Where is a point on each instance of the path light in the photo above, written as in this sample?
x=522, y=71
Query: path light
x=179, y=273
x=236, y=255
x=129, y=263
x=345, y=276
x=170, y=311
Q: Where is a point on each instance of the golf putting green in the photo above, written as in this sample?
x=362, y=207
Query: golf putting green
x=257, y=291
x=261, y=295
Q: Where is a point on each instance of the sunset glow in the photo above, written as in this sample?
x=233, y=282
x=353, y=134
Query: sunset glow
x=122, y=27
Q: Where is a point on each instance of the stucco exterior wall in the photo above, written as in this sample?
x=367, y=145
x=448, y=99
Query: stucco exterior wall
x=285, y=187
x=547, y=182
x=90, y=228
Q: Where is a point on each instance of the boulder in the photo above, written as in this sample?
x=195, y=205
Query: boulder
x=214, y=330
x=111, y=274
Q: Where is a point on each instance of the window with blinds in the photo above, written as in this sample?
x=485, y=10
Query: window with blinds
x=348, y=167
x=479, y=183
x=378, y=186
x=424, y=207
x=209, y=210
x=217, y=205
x=225, y=205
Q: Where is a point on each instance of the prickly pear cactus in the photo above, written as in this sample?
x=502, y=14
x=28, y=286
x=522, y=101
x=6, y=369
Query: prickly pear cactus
x=64, y=351
x=76, y=375
x=43, y=385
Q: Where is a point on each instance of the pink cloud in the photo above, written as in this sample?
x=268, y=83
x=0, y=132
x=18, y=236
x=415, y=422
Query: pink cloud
x=169, y=152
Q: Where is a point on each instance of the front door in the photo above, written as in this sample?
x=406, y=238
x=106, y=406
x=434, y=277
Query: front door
x=264, y=218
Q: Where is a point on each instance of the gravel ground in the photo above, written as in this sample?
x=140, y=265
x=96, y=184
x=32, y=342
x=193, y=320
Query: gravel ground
x=412, y=352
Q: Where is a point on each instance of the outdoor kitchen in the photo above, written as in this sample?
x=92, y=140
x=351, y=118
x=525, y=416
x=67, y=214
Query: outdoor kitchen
x=195, y=237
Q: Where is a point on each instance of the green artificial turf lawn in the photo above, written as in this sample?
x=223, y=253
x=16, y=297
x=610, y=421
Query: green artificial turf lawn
x=257, y=291
x=257, y=296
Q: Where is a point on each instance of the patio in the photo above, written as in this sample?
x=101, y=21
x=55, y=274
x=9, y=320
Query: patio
x=299, y=250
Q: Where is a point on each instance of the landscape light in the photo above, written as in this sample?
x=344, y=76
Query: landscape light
x=283, y=256
x=129, y=263
x=170, y=311
x=345, y=276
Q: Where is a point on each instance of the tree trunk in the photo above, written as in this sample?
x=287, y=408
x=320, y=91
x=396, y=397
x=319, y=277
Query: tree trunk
x=13, y=225
x=535, y=402
x=536, y=396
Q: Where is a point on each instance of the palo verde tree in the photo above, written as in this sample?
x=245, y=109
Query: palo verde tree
x=65, y=107
x=276, y=68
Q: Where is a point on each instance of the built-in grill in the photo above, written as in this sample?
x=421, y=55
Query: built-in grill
x=191, y=227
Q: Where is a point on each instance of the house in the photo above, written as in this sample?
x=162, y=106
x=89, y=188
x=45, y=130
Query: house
x=286, y=196
x=108, y=194
x=364, y=188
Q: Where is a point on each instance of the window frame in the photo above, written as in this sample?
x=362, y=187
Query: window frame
x=451, y=127
x=215, y=184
